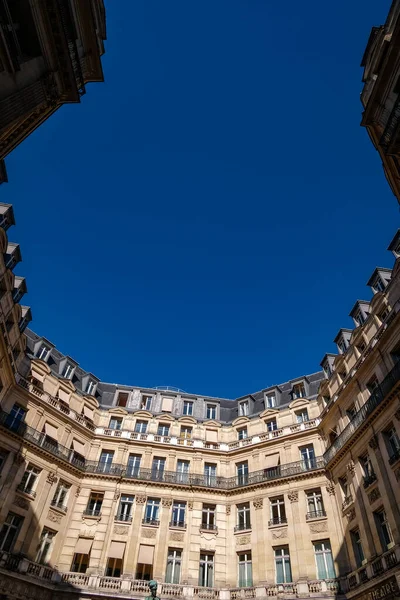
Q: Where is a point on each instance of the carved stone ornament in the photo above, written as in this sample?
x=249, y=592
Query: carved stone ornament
x=140, y=499
x=51, y=477
x=351, y=468
x=176, y=536
x=149, y=533
x=318, y=527
x=116, y=494
x=330, y=488
x=121, y=530
x=258, y=503
x=278, y=534
x=397, y=414
x=374, y=495
x=243, y=540
x=228, y=509
x=166, y=502
x=78, y=491
x=19, y=460
x=54, y=517
x=351, y=514
x=373, y=442
x=190, y=505
x=293, y=496
x=21, y=502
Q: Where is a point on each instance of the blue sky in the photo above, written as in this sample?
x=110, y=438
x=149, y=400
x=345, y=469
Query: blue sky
x=209, y=215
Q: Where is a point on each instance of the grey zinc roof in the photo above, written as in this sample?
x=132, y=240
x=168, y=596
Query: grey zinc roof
x=105, y=392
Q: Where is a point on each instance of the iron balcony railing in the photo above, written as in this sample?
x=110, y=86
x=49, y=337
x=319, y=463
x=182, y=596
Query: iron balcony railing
x=242, y=527
x=149, y=521
x=277, y=521
x=377, y=396
x=209, y=526
x=394, y=456
x=59, y=505
x=180, y=524
x=175, y=477
x=369, y=479
x=123, y=517
x=315, y=514
x=92, y=512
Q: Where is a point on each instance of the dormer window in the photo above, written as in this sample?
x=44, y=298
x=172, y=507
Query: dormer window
x=211, y=412
x=146, y=403
x=327, y=370
x=90, y=387
x=43, y=352
x=270, y=400
x=244, y=408
x=378, y=285
x=342, y=346
x=298, y=391
x=359, y=318
x=67, y=371
x=122, y=398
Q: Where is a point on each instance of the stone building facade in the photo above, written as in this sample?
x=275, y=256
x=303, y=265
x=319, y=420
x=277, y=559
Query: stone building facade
x=292, y=491
x=49, y=51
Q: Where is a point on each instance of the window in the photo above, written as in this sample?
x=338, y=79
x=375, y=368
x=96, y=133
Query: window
x=244, y=408
x=178, y=514
x=16, y=417
x=315, y=505
x=392, y=442
x=243, y=516
x=361, y=347
x=242, y=472
x=133, y=466
x=301, y=415
x=366, y=465
x=383, y=527
x=80, y=563
x=125, y=508
x=9, y=531
x=152, y=511
x=211, y=411
x=270, y=400
x=157, y=469
x=357, y=547
x=277, y=511
x=298, y=390
x=308, y=456
x=271, y=425
x=283, y=571
x=173, y=571
x=106, y=458
x=208, y=516
x=324, y=560
x=378, y=285
x=90, y=387
x=114, y=567
x=186, y=432
x=3, y=458
x=163, y=429
x=115, y=423
x=141, y=426
x=351, y=411
x=359, y=318
x=210, y=474
x=206, y=571
x=45, y=544
x=29, y=479
x=245, y=574
x=384, y=315
x=372, y=384
x=61, y=495
x=344, y=485
x=94, y=505
x=242, y=433
x=182, y=471
x=146, y=403
x=122, y=398
x=333, y=434
x=187, y=408
x=67, y=371
x=43, y=352
x=342, y=345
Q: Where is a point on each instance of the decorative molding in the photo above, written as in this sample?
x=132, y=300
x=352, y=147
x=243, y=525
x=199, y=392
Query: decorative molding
x=190, y=505
x=258, y=503
x=330, y=488
x=21, y=502
x=243, y=540
x=351, y=514
x=166, y=502
x=19, y=459
x=228, y=509
x=121, y=530
x=397, y=414
x=140, y=499
x=149, y=533
x=51, y=477
x=78, y=491
x=351, y=468
x=373, y=442
x=176, y=536
x=117, y=494
x=54, y=517
x=293, y=496
x=318, y=527
x=277, y=534
x=374, y=495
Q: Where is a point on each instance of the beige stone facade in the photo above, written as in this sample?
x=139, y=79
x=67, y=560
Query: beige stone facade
x=285, y=492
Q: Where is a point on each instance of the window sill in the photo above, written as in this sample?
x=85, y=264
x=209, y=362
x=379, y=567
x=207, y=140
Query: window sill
x=240, y=531
x=154, y=525
x=207, y=530
x=275, y=525
x=320, y=518
x=59, y=509
x=177, y=527
x=92, y=517
x=29, y=495
x=123, y=521
x=394, y=461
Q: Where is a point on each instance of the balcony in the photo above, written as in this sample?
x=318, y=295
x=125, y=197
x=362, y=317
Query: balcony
x=179, y=524
x=208, y=527
x=373, y=568
x=242, y=527
x=394, y=457
x=101, y=468
x=315, y=514
x=26, y=490
x=277, y=521
x=368, y=480
x=347, y=501
x=149, y=521
x=361, y=418
x=123, y=517
x=59, y=506
x=92, y=512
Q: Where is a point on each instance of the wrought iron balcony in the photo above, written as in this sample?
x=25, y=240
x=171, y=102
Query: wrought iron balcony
x=92, y=512
x=369, y=479
x=242, y=527
x=123, y=517
x=180, y=524
x=26, y=490
x=59, y=505
x=394, y=457
x=149, y=521
x=277, y=521
x=361, y=417
x=209, y=527
x=315, y=514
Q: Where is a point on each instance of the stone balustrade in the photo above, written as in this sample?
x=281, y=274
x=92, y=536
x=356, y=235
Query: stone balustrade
x=372, y=568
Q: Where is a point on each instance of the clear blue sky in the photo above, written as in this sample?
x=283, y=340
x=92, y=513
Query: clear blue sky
x=208, y=216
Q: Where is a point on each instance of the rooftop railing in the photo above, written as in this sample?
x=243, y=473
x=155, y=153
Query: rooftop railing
x=360, y=418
